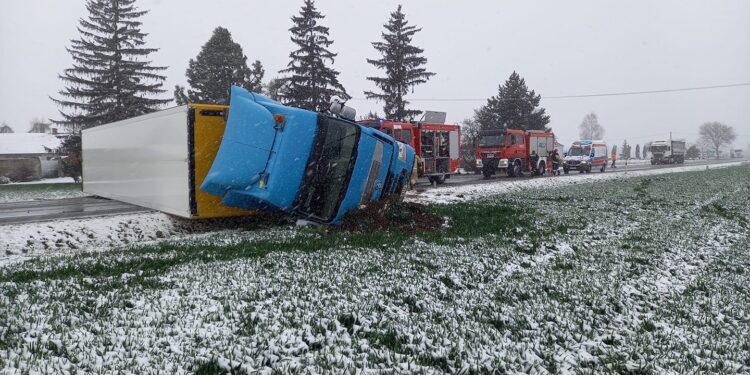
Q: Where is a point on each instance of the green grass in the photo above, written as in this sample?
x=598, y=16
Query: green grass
x=27, y=192
x=40, y=188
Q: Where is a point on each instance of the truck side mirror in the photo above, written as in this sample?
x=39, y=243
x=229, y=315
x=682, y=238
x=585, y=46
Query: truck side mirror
x=339, y=109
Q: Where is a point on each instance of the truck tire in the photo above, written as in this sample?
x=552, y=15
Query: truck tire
x=653, y=162
x=566, y=170
x=515, y=170
x=604, y=168
x=542, y=168
x=440, y=179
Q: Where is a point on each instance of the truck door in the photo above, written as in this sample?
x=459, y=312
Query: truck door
x=455, y=150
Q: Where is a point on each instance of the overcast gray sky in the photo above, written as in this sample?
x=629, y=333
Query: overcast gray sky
x=559, y=47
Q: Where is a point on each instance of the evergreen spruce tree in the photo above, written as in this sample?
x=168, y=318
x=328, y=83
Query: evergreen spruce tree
x=311, y=83
x=514, y=107
x=625, y=151
x=637, y=151
x=180, y=98
x=111, y=78
x=220, y=64
x=255, y=77
x=403, y=64
x=274, y=88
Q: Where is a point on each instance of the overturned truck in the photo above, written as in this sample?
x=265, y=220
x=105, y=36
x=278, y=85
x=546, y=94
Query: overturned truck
x=201, y=161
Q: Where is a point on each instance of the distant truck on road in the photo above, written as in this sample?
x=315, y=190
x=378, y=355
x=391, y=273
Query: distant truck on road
x=200, y=161
x=667, y=152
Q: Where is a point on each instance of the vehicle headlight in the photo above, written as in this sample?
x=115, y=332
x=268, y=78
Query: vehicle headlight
x=584, y=162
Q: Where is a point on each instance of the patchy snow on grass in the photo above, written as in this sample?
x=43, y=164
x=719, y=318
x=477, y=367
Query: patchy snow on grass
x=639, y=275
x=22, y=240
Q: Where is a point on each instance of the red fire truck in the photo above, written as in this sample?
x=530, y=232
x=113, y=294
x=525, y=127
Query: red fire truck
x=437, y=145
x=510, y=151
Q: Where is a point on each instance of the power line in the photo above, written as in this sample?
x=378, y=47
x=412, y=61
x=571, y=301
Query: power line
x=582, y=95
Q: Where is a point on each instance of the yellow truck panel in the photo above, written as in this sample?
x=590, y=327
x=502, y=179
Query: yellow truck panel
x=208, y=122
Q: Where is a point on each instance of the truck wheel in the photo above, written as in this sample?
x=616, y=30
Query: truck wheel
x=517, y=170
x=542, y=168
x=604, y=168
x=566, y=170
x=440, y=179
x=653, y=162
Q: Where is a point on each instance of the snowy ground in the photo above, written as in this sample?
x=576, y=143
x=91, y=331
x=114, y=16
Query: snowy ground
x=628, y=275
x=58, y=180
x=452, y=194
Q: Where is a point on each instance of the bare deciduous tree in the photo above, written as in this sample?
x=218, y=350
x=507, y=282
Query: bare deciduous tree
x=5, y=128
x=469, y=136
x=590, y=128
x=38, y=125
x=716, y=135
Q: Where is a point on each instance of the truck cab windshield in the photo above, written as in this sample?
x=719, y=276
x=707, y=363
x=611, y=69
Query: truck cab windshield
x=329, y=169
x=492, y=139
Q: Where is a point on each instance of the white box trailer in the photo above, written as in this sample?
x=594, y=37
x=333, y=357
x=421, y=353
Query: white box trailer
x=158, y=160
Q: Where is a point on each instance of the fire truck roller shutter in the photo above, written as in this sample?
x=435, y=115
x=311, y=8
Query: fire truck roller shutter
x=454, y=144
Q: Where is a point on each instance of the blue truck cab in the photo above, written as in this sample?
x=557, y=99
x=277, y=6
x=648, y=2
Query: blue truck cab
x=284, y=159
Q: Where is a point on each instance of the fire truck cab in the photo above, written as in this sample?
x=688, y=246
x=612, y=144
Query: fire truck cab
x=437, y=145
x=511, y=151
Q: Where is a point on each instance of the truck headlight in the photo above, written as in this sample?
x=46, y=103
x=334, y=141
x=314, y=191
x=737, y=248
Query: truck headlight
x=479, y=163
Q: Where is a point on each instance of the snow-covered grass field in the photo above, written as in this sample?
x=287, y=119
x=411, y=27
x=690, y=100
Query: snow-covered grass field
x=646, y=274
x=21, y=192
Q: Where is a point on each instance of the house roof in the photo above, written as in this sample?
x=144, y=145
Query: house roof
x=27, y=143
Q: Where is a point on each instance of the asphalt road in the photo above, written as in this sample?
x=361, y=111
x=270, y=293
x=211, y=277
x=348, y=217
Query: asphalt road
x=47, y=210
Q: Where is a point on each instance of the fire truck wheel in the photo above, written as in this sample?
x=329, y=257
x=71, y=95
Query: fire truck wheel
x=440, y=179
x=604, y=168
x=566, y=170
x=542, y=169
x=515, y=170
